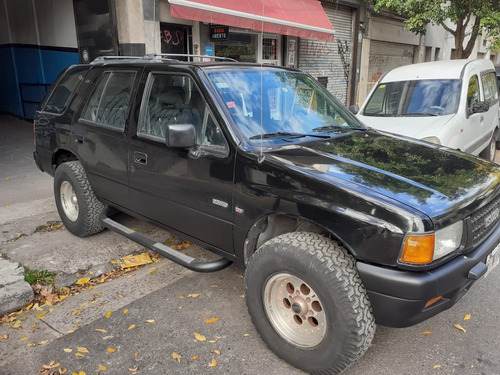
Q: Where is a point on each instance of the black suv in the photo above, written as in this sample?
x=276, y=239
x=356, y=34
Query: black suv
x=339, y=226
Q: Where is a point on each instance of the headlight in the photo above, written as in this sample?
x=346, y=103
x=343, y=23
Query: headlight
x=426, y=248
x=434, y=140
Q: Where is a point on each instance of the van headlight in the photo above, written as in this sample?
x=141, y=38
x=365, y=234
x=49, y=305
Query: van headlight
x=434, y=140
x=428, y=247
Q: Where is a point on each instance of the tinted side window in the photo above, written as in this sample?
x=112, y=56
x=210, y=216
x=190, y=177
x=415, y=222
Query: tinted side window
x=490, y=87
x=62, y=93
x=109, y=102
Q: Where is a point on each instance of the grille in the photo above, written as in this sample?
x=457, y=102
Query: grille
x=484, y=220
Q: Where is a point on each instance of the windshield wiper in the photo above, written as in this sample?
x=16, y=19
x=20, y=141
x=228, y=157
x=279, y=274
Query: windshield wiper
x=418, y=114
x=287, y=135
x=336, y=128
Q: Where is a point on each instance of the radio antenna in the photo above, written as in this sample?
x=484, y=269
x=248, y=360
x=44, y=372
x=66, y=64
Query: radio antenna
x=261, y=156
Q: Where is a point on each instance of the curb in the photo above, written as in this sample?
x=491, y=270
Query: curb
x=15, y=293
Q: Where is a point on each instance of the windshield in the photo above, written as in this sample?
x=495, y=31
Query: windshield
x=415, y=98
x=276, y=105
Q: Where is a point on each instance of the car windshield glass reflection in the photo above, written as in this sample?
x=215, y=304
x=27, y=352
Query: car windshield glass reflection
x=278, y=106
x=415, y=98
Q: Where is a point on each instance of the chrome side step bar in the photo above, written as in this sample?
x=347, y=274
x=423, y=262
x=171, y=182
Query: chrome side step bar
x=169, y=253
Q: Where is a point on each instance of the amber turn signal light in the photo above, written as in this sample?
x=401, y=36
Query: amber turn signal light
x=418, y=249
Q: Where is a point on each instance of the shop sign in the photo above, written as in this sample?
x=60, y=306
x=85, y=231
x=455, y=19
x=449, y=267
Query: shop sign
x=219, y=33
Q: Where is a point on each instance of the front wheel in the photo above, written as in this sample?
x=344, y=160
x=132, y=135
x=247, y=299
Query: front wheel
x=308, y=303
x=76, y=202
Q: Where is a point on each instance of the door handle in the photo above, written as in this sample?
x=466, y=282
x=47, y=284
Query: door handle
x=140, y=158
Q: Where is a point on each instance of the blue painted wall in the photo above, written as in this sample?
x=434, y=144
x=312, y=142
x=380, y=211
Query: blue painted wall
x=27, y=72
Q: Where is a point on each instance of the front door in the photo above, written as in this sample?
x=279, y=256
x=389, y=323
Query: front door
x=190, y=192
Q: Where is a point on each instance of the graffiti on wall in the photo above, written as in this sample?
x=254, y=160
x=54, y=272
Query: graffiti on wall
x=317, y=55
x=379, y=64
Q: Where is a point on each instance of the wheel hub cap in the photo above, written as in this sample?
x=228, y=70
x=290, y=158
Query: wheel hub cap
x=69, y=201
x=294, y=310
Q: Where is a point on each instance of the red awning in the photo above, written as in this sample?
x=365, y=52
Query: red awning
x=302, y=18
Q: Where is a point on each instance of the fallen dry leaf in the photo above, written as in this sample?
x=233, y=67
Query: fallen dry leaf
x=212, y=341
x=176, y=356
x=100, y=330
x=153, y=270
x=467, y=317
x=194, y=295
x=111, y=350
x=83, y=280
x=436, y=366
x=246, y=334
x=216, y=352
x=459, y=327
x=131, y=327
x=79, y=355
x=68, y=350
x=133, y=369
x=426, y=333
x=76, y=312
x=23, y=339
x=199, y=337
x=136, y=353
x=125, y=311
x=150, y=321
x=212, y=363
x=4, y=337
x=108, y=314
x=102, y=368
x=81, y=349
x=212, y=320
x=43, y=342
x=194, y=357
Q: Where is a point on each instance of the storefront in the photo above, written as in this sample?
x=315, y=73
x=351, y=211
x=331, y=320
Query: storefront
x=251, y=31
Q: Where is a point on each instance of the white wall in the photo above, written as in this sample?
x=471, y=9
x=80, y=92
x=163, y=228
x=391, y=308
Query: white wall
x=56, y=23
x=38, y=22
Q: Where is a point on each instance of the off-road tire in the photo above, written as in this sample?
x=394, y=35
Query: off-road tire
x=327, y=269
x=87, y=207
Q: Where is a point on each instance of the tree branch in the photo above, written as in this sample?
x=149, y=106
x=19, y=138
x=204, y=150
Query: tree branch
x=451, y=31
x=473, y=36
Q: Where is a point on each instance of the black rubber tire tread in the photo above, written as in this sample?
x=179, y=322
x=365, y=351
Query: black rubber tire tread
x=89, y=205
x=328, y=268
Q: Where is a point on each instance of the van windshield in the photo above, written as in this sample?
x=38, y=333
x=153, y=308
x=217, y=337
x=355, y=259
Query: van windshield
x=279, y=105
x=415, y=98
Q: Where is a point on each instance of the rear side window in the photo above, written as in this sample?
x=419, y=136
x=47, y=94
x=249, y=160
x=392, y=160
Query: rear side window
x=63, y=92
x=110, y=100
x=490, y=87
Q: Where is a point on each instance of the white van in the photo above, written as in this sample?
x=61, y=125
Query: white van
x=453, y=103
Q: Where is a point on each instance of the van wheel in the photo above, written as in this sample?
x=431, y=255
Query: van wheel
x=76, y=202
x=308, y=303
x=489, y=152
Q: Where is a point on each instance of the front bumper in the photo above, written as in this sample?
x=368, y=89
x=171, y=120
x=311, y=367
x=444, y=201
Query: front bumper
x=398, y=297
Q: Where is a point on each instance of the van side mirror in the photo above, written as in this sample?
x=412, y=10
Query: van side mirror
x=180, y=136
x=480, y=107
x=354, y=108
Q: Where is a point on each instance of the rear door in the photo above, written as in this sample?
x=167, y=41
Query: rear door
x=100, y=133
x=189, y=191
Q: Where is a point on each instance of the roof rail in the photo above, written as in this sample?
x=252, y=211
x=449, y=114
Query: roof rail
x=101, y=59
x=172, y=56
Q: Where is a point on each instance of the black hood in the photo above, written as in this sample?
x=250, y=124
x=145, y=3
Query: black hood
x=433, y=179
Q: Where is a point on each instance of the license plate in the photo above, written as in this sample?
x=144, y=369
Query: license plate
x=493, y=259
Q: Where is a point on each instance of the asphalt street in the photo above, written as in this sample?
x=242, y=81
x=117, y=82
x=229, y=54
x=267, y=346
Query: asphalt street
x=164, y=319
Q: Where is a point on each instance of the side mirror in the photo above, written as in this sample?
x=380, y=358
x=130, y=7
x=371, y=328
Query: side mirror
x=480, y=107
x=354, y=108
x=180, y=136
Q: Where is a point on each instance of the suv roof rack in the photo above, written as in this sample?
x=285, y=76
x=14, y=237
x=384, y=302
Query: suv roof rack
x=162, y=56
x=171, y=56
x=101, y=59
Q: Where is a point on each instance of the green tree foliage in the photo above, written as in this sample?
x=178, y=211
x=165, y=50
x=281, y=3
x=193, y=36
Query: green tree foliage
x=470, y=18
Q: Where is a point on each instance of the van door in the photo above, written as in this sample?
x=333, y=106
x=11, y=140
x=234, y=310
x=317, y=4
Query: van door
x=475, y=136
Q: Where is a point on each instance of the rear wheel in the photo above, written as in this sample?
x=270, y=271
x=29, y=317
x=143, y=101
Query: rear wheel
x=308, y=303
x=489, y=152
x=76, y=202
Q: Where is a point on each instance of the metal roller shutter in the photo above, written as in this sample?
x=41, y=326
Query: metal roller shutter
x=331, y=59
x=385, y=56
